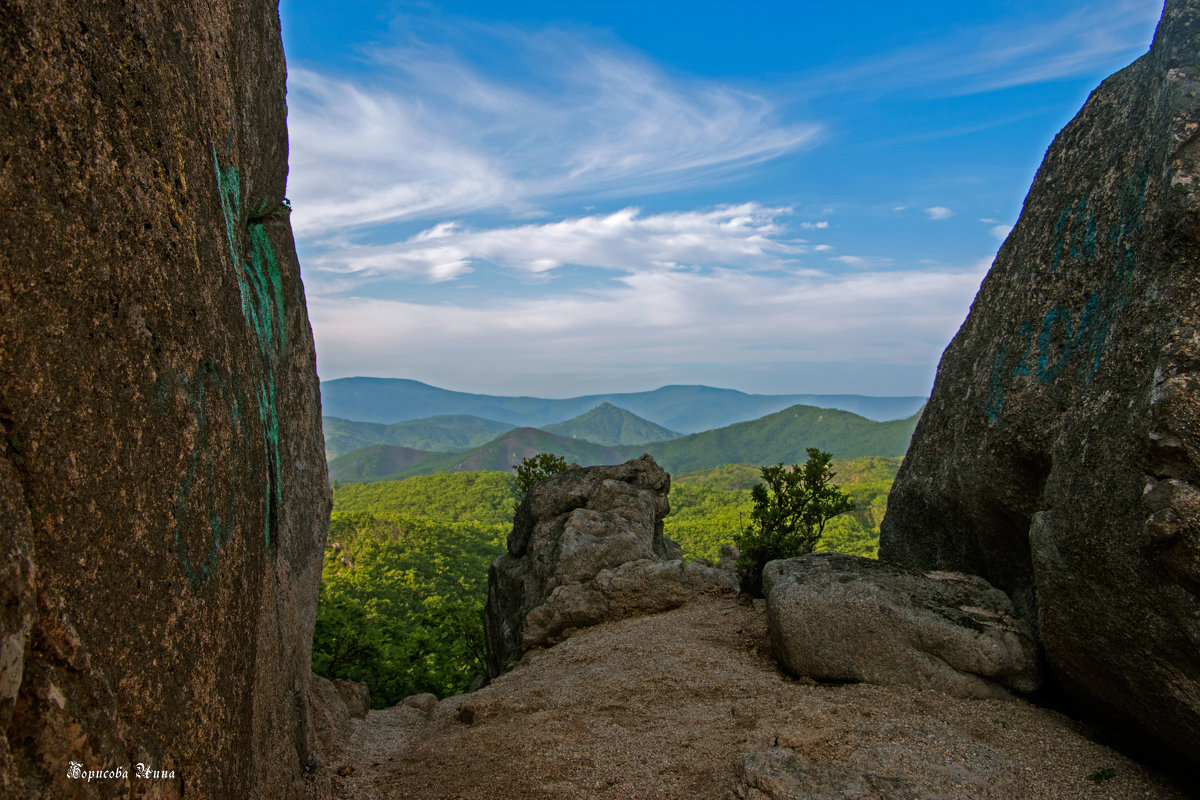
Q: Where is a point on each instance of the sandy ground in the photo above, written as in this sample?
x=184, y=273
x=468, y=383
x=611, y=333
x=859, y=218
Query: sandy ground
x=665, y=706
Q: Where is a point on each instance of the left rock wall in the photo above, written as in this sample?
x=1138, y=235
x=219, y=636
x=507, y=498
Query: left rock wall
x=163, y=493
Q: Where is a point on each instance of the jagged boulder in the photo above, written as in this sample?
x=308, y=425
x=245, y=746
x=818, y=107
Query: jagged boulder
x=163, y=492
x=588, y=545
x=845, y=618
x=1059, y=454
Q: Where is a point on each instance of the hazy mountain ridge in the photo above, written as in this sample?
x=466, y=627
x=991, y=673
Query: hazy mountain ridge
x=445, y=433
x=686, y=409
x=782, y=436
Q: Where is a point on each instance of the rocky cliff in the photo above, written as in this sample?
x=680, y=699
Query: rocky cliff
x=163, y=495
x=1059, y=455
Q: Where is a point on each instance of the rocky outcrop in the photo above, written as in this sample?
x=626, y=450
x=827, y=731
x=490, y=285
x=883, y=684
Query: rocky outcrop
x=845, y=618
x=163, y=494
x=689, y=705
x=587, y=545
x=636, y=587
x=1059, y=454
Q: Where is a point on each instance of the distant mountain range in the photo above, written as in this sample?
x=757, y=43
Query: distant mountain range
x=686, y=409
x=446, y=433
x=605, y=425
x=780, y=436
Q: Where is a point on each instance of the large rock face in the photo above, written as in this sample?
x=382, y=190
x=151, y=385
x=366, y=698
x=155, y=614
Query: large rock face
x=586, y=546
x=844, y=618
x=163, y=495
x=1059, y=455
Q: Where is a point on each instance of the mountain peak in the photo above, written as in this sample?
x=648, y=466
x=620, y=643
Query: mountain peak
x=610, y=425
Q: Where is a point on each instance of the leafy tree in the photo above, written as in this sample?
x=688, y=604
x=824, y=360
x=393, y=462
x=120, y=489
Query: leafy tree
x=710, y=507
x=535, y=469
x=401, y=601
x=791, y=508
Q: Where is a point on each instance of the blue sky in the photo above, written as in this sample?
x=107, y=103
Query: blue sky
x=556, y=199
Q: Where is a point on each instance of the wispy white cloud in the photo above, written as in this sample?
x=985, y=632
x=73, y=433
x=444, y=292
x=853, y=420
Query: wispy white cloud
x=747, y=235
x=662, y=322
x=939, y=212
x=814, y=225
x=864, y=262
x=360, y=156
x=1009, y=52
x=432, y=134
x=1000, y=231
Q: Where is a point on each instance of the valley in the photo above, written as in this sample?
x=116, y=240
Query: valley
x=406, y=564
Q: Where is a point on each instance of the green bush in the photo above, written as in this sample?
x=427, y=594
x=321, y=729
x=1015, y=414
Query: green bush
x=791, y=508
x=536, y=469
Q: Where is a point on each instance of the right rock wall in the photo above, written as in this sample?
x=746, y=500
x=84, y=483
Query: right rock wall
x=1059, y=455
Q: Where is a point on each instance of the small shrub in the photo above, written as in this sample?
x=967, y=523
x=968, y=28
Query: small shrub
x=536, y=469
x=791, y=508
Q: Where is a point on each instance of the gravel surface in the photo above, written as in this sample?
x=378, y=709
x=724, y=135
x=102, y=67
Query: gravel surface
x=690, y=704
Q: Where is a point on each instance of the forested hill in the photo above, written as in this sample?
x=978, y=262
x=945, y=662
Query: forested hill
x=500, y=454
x=686, y=409
x=606, y=424
x=782, y=436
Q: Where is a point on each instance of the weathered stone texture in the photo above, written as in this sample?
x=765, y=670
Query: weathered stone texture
x=1059, y=455
x=163, y=496
x=586, y=546
x=845, y=618
x=644, y=586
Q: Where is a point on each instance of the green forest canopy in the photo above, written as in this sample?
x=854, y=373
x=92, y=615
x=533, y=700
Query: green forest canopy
x=405, y=574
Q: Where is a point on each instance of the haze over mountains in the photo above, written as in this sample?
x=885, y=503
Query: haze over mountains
x=782, y=436
x=684, y=409
x=447, y=433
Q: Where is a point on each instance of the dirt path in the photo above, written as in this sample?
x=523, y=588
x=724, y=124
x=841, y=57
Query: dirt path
x=665, y=706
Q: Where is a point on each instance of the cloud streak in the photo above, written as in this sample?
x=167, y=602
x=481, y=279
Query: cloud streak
x=1006, y=54
x=431, y=134
x=747, y=235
